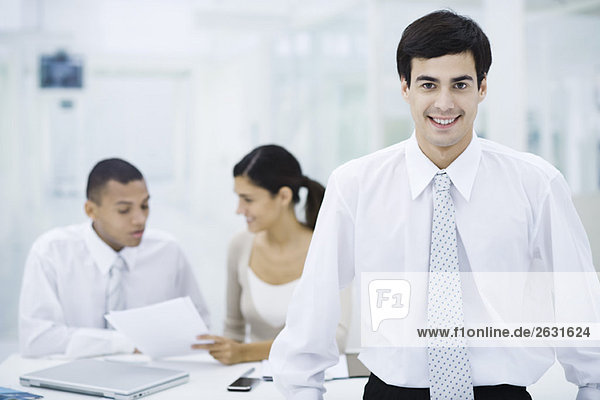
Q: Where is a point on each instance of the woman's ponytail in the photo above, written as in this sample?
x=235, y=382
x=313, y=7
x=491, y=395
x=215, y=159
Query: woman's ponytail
x=314, y=198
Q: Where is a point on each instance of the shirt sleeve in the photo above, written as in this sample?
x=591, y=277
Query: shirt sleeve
x=343, y=326
x=42, y=326
x=187, y=285
x=307, y=345
x=235, y=326
x=562, y=245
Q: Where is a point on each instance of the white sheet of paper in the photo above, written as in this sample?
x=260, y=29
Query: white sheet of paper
x=338, y=371
x=265, y=370
x=163, y=329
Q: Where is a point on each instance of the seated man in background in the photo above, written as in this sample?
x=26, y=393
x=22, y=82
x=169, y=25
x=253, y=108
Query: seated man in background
x=74, y=275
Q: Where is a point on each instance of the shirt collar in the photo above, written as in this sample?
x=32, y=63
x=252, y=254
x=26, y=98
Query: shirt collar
x=462, y=171
x=103, y=255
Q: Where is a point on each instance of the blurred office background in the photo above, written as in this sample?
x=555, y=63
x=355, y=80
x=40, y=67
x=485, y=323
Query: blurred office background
x=184, y=88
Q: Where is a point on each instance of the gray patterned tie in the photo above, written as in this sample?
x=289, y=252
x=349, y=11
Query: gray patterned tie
x=115, y=297
x=449, y=367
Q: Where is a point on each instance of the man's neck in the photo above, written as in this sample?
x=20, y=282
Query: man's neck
x=443, y=156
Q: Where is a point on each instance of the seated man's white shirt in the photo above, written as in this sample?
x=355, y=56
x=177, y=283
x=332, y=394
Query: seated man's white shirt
x=513, y=213
x=63, y=295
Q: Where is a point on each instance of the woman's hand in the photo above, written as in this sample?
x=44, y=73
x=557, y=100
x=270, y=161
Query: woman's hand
x=225, y=350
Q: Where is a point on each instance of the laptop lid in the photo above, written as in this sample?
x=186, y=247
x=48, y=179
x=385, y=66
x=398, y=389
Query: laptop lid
x=356, y=369
x=116, y=380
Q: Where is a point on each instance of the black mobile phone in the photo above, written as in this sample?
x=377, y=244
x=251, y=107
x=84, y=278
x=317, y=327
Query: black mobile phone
x=243, y=384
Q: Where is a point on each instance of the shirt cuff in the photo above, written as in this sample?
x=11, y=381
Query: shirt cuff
x=589, y=392
x=308, y=394
x=89, y=342
x=121, y=344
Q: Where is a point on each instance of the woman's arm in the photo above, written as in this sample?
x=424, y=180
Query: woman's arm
x=229, y=351
x=235, y=326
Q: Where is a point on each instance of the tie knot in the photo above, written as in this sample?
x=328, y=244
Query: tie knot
x=442, y=181
x=119, y=264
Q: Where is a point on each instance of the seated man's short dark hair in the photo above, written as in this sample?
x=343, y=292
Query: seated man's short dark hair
x=110, y=169
x=440, y=33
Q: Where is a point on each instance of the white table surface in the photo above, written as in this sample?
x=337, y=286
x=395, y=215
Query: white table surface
x=208, y=380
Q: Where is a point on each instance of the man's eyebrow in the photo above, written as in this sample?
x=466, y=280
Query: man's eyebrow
x=125, y=202
x=427, y=78
x=453, y=80
x=462, y=78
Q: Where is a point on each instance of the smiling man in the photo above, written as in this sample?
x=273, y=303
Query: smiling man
x=76, y=274
x=443, y=97
x=444, y=204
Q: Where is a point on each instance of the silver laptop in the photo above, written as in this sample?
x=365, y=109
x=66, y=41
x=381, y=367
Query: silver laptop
x=115, y=380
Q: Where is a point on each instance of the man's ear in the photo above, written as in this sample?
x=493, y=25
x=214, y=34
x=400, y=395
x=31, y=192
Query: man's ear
x=405, y=88
x=91, y=209
x=285, y=194
x=483, y=88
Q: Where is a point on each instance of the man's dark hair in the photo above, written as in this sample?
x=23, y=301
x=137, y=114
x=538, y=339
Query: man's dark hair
x=440, y=33
x=106, y=170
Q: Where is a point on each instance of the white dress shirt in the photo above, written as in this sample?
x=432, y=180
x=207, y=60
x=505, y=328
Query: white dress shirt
x=63, y=295
x=513, y=213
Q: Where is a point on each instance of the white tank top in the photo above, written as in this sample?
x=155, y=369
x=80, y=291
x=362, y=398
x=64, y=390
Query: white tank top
x=263, y=293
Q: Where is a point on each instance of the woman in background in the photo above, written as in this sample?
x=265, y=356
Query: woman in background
x=265, y=263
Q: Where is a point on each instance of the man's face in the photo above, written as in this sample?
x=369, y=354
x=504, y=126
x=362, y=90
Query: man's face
x=443, y=98
x=120, y=218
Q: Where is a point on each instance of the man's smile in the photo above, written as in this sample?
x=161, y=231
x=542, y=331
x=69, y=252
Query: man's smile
x=443, y=122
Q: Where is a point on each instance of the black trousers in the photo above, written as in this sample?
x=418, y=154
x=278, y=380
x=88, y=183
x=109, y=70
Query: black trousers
x=376, y=389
